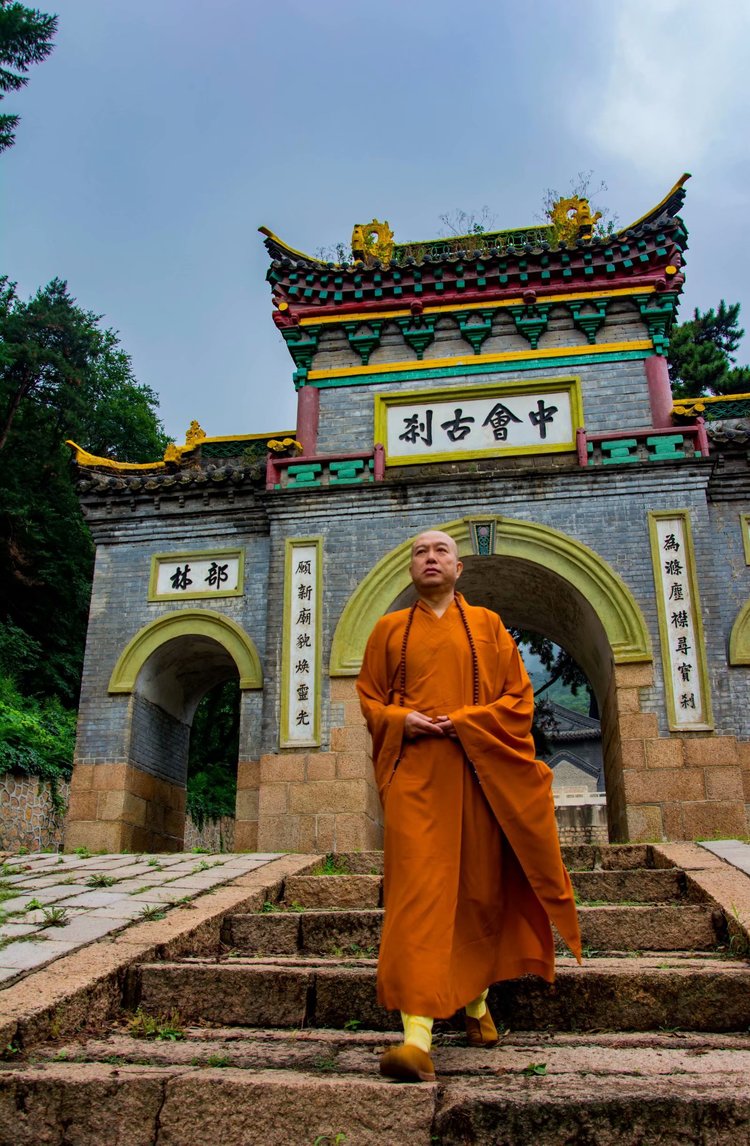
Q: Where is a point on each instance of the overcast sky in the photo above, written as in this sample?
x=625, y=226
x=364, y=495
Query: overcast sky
x=161, y=133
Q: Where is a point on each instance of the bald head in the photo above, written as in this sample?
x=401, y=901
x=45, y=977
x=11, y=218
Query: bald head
x=435, y=565
x=435, y=536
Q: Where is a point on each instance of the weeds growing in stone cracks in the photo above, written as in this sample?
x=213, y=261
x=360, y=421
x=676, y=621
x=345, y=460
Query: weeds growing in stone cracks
x=332, y=865
x=534, y=1068
x=153, y=911
x=739, y=944
x=325, y=1063
x=167, y=1027
x=99, y=879
x=54, y=917
x=337, y=1139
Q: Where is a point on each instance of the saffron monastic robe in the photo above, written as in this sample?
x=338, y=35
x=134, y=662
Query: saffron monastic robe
x=473, y=871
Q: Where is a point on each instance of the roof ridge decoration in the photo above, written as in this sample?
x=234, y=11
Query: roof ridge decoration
x=195, y=437
x=572, y=223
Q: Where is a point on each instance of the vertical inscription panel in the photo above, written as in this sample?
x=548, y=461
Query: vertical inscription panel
x=300, y=676
x=680, y=625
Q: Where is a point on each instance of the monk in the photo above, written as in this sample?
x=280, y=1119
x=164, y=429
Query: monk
x=473, y=871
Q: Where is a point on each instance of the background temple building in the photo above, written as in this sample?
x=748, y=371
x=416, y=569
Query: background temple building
x=510, y=388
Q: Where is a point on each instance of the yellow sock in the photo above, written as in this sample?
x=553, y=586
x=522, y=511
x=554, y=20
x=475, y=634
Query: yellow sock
x=477, y=1007
x=417, y=1031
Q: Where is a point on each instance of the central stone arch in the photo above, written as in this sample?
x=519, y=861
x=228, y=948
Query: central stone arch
x=527, y=541
x=535, y=578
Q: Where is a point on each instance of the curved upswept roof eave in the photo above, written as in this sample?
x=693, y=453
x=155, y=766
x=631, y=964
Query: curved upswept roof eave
x=278, y=249
x=669, y=206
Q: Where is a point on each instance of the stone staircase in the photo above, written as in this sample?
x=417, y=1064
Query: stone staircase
x=275, y=1039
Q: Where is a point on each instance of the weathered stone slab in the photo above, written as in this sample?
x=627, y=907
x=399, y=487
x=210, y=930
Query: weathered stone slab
x=628, y=995
x=343, y=995
x=362, y=863
x=297, y=1110
x=341, y=933
x=342, y=891
x=83, y=1104
x=639, y=885
x=548, y=1112
x=618, y=928
x=235, y=994
x=263, y=934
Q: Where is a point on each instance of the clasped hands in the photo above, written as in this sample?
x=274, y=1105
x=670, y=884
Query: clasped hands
x=417, y=724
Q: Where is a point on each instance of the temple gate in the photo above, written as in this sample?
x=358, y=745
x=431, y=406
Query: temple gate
x=510, y=388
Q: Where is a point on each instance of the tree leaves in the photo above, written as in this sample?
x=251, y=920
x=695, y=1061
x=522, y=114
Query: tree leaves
x=25, y=39
x=62, y=375
x=702, y=354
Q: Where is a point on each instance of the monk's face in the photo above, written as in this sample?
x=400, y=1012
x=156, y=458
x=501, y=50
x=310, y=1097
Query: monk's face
x=435, y=566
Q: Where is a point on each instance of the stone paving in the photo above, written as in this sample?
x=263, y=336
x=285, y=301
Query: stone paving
x=735, y=852
x=52, y=904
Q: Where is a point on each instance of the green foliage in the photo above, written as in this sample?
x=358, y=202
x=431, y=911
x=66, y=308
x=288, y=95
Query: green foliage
x=25, y=39
x=61, y=376
x=151, y=912
x=563, y=682
x=36, y=736
x=332, y=865
x=702, y=354
x=54, y=917
x=169, y=1027
x=535, y=1068
x=214, y=749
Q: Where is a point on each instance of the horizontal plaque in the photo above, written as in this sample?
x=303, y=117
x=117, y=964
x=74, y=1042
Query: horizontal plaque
x=479, y=421
x=186, y=576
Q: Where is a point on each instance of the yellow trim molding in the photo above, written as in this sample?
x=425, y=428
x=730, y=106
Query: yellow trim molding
x=745, y=527
x=739, y=640
x=594, y=579
x=187, y=623
x=689, y=407
x=483, y=359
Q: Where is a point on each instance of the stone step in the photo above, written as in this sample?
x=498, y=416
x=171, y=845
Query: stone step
x=345, y=934
x=578, y=857
x=642, y=993
x=634, y=885
x=311, y=1087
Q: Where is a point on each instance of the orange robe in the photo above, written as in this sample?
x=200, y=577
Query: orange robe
x=473, y=871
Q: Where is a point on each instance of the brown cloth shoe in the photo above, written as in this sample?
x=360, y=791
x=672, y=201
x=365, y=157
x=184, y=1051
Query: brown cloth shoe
x=481, y=1032
x=407, y=1063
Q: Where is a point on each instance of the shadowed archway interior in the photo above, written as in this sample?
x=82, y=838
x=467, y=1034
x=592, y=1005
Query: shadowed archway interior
x=169, y=686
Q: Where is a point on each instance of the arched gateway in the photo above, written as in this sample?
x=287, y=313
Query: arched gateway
x=510, y=387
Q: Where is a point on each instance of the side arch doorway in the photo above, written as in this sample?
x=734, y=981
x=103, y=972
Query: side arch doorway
x=536, y=579
x=163, y=673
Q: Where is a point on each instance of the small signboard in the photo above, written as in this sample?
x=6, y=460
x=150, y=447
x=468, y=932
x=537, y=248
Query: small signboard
x=187, y=576
x=681, y=630
x=300, y=691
